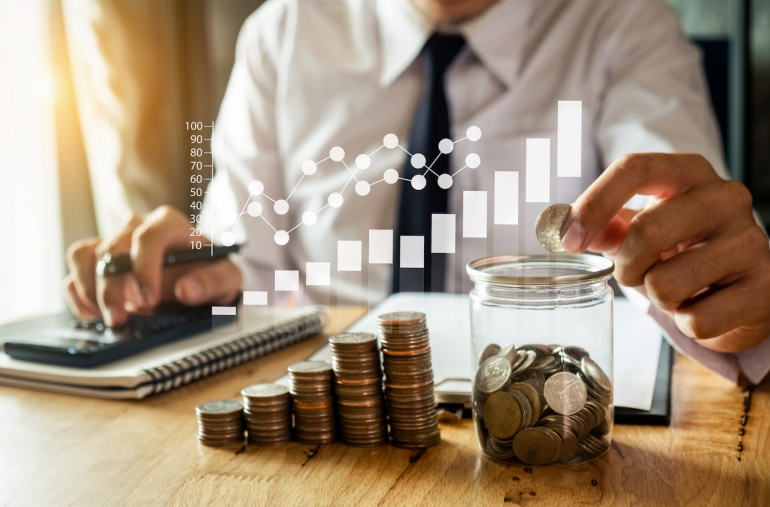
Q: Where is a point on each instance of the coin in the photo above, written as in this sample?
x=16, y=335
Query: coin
x=267, y=413
x=493, y=375
x=502, y=415
x=312, y=402
x=536, y=446
x=532, y=397
x=549, y=224
x=490, y=350
x=595, y=375
x=220, y=423
x=565, y=393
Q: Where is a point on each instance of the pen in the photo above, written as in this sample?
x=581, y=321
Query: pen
x=115, y=265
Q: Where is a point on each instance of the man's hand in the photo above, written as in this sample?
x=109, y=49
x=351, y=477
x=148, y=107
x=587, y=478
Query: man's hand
x=695, y=251
x=146, y=239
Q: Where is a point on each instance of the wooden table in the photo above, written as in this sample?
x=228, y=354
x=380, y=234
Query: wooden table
x=64, y=450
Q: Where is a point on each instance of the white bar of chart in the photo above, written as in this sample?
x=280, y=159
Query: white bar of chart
x=569, y=139
x=286, y=280
x=222, y=310
x=348, y=256
x=380, y=246
x=538, y=174
x=474, y=214
x=442, y=233
x=506, y=198
x=254, y=298
x=412, y=252
x=318, y=273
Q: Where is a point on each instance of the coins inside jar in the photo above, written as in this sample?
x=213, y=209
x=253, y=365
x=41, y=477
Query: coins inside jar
x=410, y=401
x=538, y=404
x=220, y=423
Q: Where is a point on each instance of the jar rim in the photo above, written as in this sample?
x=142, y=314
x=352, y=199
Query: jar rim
x=568, y=268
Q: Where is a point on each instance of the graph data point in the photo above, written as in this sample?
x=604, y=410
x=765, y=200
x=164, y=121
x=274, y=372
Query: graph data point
x=254, y=209
x=281, y=237
x=309, y=167
x=418, y=160
x=336, y=153
x=390, y=176
x=445, y=181
x=228, y=238
x=362, y=188
x=390, y=141
x=309, y=218
x=281, y=207
x=363, y=161
x=446, y=146
x=473, y=133
x=419, y=182
x=472, y=160
x=228, y=217
x=256, y=187
x=335, y=200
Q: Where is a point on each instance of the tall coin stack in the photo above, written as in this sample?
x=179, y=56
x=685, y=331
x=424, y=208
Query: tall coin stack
x=312, y=402
x=358, y=386
x=220, y=423
x=411, y=406
x=267, y=410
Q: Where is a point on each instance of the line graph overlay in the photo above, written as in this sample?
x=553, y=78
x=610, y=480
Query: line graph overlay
x=362, y=187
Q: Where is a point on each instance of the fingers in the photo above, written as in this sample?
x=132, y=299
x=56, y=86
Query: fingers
x=84, y=310
x=661, y=175
x=671, y=283
x=163, y=228
x=81, y=261
x=110, y=291
x=218, y=283
x=692, y=217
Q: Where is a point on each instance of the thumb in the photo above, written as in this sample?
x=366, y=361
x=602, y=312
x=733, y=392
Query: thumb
x=609, y=239
x=217, y=283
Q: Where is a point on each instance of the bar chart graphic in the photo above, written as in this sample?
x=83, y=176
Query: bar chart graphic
x=378, y=246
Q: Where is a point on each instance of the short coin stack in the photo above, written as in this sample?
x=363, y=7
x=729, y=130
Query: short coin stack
x=411, y=405
x=358, y=386
x=541, y=404
x=267, y=411
x=220, y=423
x=313, y=402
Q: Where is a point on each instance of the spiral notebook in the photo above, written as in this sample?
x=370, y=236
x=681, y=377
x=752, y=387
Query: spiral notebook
x=258, y=331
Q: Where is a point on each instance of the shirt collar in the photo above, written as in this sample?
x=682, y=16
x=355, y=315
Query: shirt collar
x=404, y=29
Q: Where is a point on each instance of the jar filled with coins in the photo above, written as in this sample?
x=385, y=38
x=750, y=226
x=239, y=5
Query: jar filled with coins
x=542, y=353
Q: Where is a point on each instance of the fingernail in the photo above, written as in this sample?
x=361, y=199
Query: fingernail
x=148, y=296
x=573, y=238
x=192, y=290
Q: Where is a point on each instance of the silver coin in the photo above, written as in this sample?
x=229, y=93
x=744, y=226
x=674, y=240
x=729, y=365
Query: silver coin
x=565, y=393
x=549, y=224
x=310, y=367
x=596, y=375
x=493, y=375
x=219, y=407
x=264, y=390
x=352, y=338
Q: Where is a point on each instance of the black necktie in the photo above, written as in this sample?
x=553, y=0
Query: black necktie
x=430, y=125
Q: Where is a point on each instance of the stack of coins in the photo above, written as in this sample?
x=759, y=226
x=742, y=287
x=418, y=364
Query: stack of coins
x=358, y=386
x=267, y=410
x=220, y=423
x=312, y=402
x=539, y=404
x=411, y=405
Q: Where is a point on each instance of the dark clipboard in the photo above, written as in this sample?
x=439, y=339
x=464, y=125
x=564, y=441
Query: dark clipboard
x=660, y=411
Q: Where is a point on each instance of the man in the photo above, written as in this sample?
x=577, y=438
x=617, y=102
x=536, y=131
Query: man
x=310, y=76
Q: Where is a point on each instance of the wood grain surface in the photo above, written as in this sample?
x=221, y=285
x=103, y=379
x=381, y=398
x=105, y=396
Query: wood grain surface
x=64, y=450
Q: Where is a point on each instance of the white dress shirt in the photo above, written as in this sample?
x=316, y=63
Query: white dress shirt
x=311, y=75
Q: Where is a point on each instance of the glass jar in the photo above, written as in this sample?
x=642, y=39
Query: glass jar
x=542, y=354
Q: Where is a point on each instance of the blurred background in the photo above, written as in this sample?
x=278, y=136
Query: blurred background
x=96, y=93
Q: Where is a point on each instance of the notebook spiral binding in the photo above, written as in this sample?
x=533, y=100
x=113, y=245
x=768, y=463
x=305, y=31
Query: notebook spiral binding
x=226, y=356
